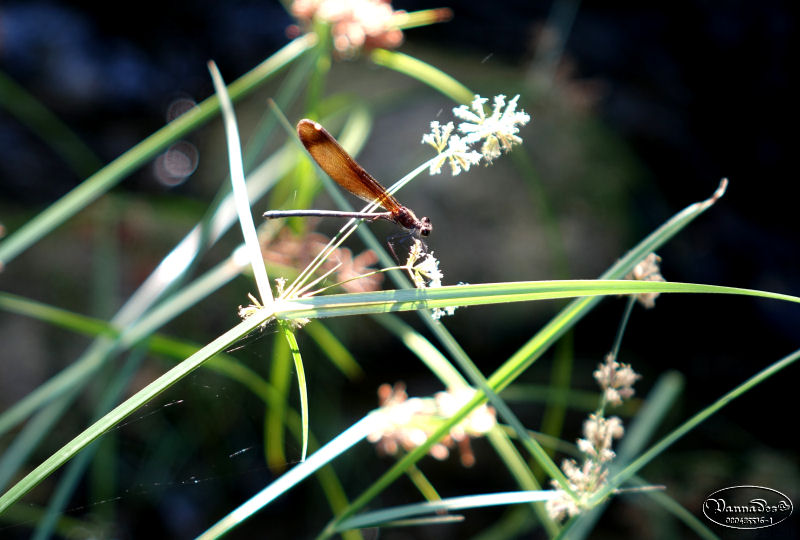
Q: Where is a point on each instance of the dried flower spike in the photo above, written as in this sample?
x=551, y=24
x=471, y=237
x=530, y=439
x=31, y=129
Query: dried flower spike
x=599, y=432
x=355, y=24
x=587, y=479
x=616, y=380
x=409, y=422
x=647, y=270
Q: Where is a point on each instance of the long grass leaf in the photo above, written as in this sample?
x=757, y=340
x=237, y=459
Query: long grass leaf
x=68, y=451
x=114, y=172
x=241, y=200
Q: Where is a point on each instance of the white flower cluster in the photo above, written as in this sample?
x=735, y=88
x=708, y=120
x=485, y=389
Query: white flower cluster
x=423, y=269
x=648, y=269
x=497, y=133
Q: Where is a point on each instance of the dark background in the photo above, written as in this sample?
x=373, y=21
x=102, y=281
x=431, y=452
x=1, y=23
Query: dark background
x=692, y=91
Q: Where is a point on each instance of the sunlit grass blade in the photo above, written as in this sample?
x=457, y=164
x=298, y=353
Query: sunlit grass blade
x=241, y=200
x=280, y=375
x=340, y=444
x=334, y=349
x=379, y=517
x=577, y=309
x=336, y=305
x=521, y=471
x=424, y=17
x=114, y=172
x=157, y=344
x=433, y=359
x=68, y=482
x=179, y=349
x=83, y=368
x=120, y=412
x=423, y=72
x=422, y=484
x=173, y=267
x=160, y=280
x=294, y=349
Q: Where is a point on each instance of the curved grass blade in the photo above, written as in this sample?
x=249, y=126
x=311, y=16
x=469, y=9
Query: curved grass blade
x=433, y=359
x=337, y=305
x=301, y=382
x=381, y=517
x=49, y=127
x=114, y=172
x=340, y=444
x=423, y=72
x=241, y=200
x=336, y=352
x=94, y=357
x=107, y=422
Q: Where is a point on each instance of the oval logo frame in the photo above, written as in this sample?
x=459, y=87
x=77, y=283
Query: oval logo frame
x=747, y=507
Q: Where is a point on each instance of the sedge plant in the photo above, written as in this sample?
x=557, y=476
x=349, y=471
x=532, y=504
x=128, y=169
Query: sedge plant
x=563, y=498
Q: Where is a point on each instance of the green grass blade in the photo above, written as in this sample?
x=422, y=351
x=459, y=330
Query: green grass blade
x=95, y=356
x=294, y=348
x=423, y=72
x=379, y=517
x=174, y=348
x=577, y=309
x=336, y=352
x=340, y=444
x=41, y=121
x=75, y=322
x=120, y=412
x=660, y=401
x=68, y=482
x=27, y=440
x=337, y=305
x=241, y=200
x=521, y=471
x=433, y=359
x=280, y=375
x=114, y=172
